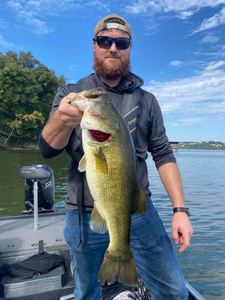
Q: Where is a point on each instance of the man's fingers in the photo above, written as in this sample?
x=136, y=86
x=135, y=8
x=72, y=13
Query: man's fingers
x=175, y=236
x=185, y=240
x=70, y=114
x=181, y=238
x=69, y=111
x=67, y=98
x=65, y=108
x=182, y=248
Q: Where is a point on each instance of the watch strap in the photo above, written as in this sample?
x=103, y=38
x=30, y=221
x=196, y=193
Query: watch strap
x=182, y=209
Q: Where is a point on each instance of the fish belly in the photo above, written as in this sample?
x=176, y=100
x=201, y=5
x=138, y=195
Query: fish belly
x=114, y=189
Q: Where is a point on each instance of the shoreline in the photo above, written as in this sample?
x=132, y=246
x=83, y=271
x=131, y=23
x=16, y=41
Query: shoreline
x=36, y=148
x=175, y=146
x=32, y=147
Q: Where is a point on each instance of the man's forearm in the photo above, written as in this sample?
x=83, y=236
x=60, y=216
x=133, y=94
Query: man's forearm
x=56, y=133
x=170, y=177
x=180, y=225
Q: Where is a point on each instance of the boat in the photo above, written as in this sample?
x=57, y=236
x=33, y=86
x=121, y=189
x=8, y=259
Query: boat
x=26, y=235
x=173, y=147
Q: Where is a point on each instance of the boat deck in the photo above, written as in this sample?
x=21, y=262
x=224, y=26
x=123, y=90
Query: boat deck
x=19, y=241
x=18, y=236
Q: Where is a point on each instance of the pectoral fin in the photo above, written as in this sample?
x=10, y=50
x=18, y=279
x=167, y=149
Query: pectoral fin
x=142, y=205
x=97, y=222
x=82, y=164
x=100, y=161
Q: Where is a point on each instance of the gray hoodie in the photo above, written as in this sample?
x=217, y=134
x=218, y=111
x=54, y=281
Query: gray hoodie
x=142, y=113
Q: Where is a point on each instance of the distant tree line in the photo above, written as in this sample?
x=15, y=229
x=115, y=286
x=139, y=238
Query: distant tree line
x=27, y=88
x=210, y=145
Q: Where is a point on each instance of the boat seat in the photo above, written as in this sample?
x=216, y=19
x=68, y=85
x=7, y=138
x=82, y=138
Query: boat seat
x=29, y=172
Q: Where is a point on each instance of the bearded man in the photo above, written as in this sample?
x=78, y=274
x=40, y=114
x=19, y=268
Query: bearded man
x=154, y=257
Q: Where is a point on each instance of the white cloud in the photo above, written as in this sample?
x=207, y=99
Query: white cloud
x=219, y=51
x=216, y=54
x=212, y=22
x=15, y=4
x=7, y=44
x=31, y=12
x=221, y=104
x=38, y=26
x=214, y=65
x=186, y=14
x=209, y=39
x=71, y=67
x=183, y=9
x=203, y=93
x=175, y=63
x=3, y=24
x=188, y=121
x=40, y=8
x=102, y=5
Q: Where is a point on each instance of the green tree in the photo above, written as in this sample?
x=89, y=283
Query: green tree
x=48, y=84
x=10, y=57
x=26, y=87
x=27, y=124
x=18, y=94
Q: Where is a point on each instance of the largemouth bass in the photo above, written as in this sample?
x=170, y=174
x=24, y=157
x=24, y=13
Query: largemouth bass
x=111, y=170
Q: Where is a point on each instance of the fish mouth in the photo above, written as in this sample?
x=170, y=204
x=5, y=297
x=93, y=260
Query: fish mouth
x=99, y=136
x=94, y=115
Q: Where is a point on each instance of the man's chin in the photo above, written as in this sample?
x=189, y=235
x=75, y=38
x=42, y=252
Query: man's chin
x=110, y=70
x=111, y=67
x=112, y=64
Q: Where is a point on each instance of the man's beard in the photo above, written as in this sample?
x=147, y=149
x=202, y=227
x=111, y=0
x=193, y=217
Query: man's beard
x=114, y=72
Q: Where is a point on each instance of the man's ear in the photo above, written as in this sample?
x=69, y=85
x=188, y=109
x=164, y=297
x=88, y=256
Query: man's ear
x=94, y=45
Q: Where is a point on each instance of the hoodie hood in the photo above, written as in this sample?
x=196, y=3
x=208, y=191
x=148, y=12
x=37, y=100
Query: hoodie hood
x=128, y=83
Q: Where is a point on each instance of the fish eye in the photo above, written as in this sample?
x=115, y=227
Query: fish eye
x=107, y=102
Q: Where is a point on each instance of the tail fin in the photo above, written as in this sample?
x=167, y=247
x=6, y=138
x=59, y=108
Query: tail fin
x=117, y=269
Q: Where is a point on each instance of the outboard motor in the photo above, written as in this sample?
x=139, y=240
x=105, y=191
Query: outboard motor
x=46, y=192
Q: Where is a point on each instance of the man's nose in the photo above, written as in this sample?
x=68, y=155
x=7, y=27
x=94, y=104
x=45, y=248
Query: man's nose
x=113, y=47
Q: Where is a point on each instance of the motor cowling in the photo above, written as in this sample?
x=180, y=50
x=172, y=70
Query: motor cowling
x=46, y=192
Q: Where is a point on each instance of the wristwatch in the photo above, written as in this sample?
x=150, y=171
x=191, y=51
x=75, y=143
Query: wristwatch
x=182, y=209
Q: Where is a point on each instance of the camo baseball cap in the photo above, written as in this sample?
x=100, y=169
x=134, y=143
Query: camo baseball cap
x=113, y=21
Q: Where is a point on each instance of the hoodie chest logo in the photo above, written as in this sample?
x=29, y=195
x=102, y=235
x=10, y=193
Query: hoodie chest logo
x=131, y=119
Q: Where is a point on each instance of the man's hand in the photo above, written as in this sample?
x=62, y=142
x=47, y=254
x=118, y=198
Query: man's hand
x=69, y=114
x=181, y=230
x=60, y=126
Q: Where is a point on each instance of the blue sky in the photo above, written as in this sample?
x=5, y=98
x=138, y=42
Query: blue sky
x=178, y=49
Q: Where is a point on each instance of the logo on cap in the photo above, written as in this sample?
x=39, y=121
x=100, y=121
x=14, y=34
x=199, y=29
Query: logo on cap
x=114, y=25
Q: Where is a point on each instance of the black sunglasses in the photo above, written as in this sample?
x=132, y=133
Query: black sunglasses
x=106, y=42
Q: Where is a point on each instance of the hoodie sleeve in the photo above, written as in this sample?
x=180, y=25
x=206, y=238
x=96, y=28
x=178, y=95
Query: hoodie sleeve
x=158, y=143
x=46, y=150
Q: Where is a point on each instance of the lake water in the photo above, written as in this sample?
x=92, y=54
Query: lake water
x=203, y=175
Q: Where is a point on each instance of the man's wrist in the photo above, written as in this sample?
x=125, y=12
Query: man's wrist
x=182, y=209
